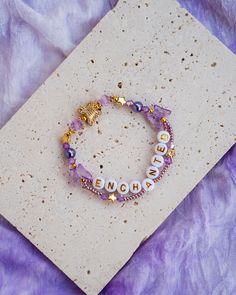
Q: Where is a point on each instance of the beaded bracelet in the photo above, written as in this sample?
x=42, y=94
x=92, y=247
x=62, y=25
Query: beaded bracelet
x=109, y=189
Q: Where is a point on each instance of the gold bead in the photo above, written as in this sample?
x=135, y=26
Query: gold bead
x=112, y=198
x=163, y=120
x=151, y=110
x=73, y=166
x=65, y=138
x=171, y=153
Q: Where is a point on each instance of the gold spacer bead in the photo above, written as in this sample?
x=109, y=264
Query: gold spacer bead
x=151, y=110
x=73, y=166
x=163, y=120
x=65, y=138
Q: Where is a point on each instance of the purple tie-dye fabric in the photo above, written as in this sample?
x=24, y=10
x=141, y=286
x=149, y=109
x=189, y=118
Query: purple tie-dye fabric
x=194, y=250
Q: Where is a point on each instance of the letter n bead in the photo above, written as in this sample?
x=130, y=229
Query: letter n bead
x=111, y=185
x=152, y=172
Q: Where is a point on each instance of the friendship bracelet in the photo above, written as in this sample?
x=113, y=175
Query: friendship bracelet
x=109, y=189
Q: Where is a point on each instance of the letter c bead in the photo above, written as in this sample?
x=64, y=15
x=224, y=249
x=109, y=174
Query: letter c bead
x=123, y=188
x=148, y=184
x=98, y=183
x=135, y=186
x=111, y=185
x=163, y=136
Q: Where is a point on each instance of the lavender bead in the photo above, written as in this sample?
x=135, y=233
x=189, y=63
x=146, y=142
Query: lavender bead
x=76, y=124
x=70, y=153
x=104, y=196
x=120, y=198
x=168, y=160
x=137, y=107
x=129, y=103
x=104, y=100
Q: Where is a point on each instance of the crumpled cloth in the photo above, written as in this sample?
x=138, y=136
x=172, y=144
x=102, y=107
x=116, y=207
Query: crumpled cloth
x=194, y=250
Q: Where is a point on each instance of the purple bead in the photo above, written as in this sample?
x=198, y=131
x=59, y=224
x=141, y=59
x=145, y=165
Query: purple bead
x=71, y=161
x=120, y=198
x=70, y=153
x=76, y=124
x=66, y=146
x=104, y=100
x=129, y=103
x=83, y=172
x=168, y=160
x=137, y=107
x=145, y=109
x=104, y=196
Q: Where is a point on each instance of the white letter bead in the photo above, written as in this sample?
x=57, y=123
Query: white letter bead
x=152, y=172
x=111, y=185
x=148, y=184
x=161, y=149
x=98, y=183
x=163, y=136
x=123, y=188
x=135, y=186
x=157, y=161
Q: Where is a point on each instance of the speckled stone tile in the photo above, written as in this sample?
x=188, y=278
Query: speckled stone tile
x=149, y=50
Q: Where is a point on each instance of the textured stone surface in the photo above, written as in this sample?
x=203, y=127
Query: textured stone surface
x=147, y=59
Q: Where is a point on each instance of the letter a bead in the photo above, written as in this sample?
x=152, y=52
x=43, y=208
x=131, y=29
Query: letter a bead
x=111, y=185
x=148, y=184
x=152, y=172
x=123, y=188
x=135, y=186
x=98, y=183
x=163, y=136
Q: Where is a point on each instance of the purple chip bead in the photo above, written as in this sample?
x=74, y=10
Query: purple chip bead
x=104, y=196
x=104, y=100
x=120, y=198
x=168, y=160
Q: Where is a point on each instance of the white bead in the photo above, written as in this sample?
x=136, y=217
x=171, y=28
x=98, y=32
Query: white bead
x=152, y=172
x=111, y=185
x=135, y=186
x=163, y=136
x=98, y=183
x=148, y=184
x=157, y=161
x=123, y=188
x=161, y=149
